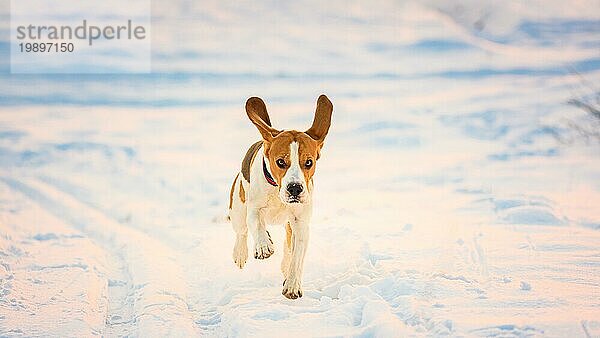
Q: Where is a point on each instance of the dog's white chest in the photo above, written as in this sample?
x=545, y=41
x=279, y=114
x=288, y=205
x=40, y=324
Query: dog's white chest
x=275, y=212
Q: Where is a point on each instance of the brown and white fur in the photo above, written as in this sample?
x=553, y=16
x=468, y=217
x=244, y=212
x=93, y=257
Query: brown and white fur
x=290, y=157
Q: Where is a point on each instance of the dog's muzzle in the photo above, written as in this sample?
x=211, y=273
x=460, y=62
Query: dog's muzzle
x=294, y=192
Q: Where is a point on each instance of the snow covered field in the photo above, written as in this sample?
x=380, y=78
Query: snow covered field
x=455, y=195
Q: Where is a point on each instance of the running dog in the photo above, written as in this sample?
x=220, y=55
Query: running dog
x=275, y=186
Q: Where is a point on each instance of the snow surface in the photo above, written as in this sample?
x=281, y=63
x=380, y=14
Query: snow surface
x=452, y=197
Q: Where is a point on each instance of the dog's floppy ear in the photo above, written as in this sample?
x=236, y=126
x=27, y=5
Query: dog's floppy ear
x=257, y=112
x=322, y=120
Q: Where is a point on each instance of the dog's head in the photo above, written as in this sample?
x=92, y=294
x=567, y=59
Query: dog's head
x=292, y=155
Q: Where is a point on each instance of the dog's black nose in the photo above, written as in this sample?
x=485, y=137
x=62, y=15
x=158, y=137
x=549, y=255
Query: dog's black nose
x=295, y=189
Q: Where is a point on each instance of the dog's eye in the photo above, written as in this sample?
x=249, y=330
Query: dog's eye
x=308, y=163
x=280, y=163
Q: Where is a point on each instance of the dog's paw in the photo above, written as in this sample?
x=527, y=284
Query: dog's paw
x=263, y=251
x=240, y=254
x=239, y=258
x=291, y=290
x=264, y=248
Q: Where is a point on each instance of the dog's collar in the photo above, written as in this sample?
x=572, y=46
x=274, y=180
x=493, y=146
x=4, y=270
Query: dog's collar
x=268, y=176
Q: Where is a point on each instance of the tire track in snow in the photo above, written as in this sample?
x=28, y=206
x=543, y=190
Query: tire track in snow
x=153, y=302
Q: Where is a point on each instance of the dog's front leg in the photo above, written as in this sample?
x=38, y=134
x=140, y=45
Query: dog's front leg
x=292, y=286
x=263, y=244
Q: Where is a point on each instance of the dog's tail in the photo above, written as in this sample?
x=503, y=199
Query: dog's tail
x=220, y=218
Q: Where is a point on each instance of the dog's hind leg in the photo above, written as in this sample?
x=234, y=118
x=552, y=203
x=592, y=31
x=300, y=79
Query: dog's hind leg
x=237, y=215
x=240, y=249
x=287, y=251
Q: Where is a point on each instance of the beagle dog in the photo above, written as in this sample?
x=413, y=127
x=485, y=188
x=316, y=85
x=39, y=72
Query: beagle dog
x=274, y=186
